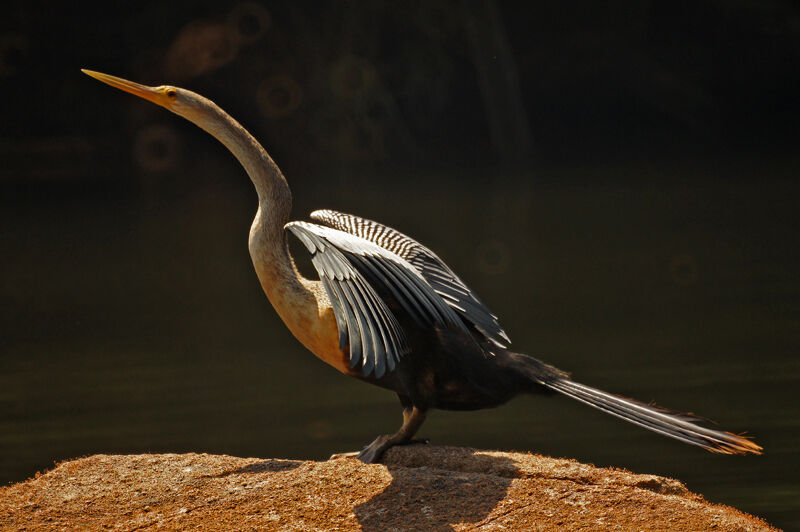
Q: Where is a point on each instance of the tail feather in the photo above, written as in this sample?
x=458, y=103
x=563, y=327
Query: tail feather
x=682, y=427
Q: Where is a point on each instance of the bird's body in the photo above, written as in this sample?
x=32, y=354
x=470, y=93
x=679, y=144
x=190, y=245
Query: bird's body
x=388, y=311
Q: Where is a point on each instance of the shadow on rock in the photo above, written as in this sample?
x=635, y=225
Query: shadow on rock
x=265, y=466
x=435, y=488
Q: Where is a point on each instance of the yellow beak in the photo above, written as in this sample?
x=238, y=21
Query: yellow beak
x=142, y=91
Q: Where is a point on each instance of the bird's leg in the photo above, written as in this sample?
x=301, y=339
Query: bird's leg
x=407, y=412
x=412, y=420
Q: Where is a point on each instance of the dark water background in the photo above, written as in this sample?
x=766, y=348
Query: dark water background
x=136, y=327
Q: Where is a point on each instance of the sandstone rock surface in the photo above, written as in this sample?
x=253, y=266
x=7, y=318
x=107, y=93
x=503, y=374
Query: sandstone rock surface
x=415, y=488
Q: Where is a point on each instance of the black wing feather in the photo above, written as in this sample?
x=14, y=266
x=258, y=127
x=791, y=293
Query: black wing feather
x=432, y=269
x=362, y=319
x=350, y=267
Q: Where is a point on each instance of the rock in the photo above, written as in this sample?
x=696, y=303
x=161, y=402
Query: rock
x=417, y=487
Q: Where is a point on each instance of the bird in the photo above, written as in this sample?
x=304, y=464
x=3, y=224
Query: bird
x=388, y=311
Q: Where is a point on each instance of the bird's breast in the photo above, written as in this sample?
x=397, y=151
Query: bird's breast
x=302, y=303
x=304, y=307
x=315, y=328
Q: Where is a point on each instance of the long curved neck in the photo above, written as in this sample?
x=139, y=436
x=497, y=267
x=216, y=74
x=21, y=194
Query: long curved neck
x=299, y=302
x=268, y=245
x=274, y=196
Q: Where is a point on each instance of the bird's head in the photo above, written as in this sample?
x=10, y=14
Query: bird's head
x=263, y=171
x=180, y=101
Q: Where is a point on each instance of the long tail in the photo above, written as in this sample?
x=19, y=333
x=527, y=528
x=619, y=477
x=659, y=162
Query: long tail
x=682, y=427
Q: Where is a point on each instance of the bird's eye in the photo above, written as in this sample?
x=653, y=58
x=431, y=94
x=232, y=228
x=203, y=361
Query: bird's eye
x=171, y=93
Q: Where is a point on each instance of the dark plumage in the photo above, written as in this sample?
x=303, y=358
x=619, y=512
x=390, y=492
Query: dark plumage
x=412, y=326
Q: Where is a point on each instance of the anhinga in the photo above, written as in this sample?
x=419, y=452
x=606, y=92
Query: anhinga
x=388, y=311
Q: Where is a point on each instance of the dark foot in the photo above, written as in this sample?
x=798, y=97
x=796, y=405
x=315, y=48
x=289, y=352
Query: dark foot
x=412, y=419
x=374, y=451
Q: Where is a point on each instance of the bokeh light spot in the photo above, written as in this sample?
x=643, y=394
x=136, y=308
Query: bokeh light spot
x=155, y=149
x=201, y=47
x=278, y=96
x=249, y=21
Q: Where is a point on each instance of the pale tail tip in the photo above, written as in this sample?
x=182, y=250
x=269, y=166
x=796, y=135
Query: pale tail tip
x=741, y=444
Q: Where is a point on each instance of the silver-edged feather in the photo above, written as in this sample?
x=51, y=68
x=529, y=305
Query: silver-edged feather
x=429, y=266
x=342, y=261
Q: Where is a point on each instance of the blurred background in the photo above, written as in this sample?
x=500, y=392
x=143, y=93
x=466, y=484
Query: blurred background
x=617, y=181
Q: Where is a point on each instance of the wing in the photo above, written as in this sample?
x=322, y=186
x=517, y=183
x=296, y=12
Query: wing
x=430, y=267
x=348, y=266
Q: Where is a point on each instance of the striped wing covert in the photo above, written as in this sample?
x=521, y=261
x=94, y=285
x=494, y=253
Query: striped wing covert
x=348, y=266
x=428, y=264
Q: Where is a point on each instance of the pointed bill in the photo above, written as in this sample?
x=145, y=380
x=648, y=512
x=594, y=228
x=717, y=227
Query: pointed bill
x=143, y=91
